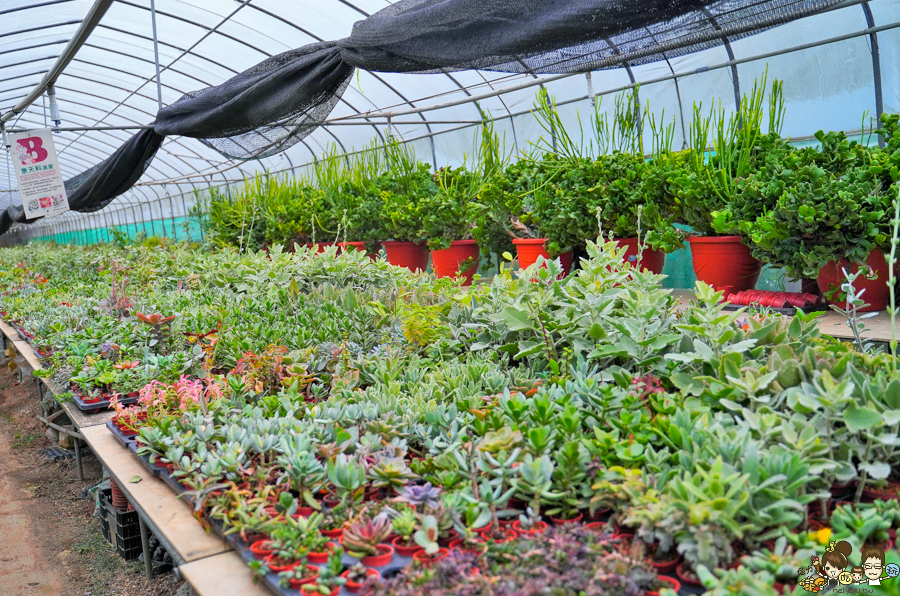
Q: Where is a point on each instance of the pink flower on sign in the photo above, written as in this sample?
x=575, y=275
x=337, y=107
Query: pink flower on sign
x=46, y=202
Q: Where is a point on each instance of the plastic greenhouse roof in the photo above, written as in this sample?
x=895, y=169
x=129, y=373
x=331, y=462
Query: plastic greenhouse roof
x=831, y=78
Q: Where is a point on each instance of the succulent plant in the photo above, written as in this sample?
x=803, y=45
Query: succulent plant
x=419, y=495
x=427, y=536
x=364, y=534
x=390, y=473
x=405, y=523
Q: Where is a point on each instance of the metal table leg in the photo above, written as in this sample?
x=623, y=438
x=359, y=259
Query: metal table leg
x=145, y=546
x=78, y=458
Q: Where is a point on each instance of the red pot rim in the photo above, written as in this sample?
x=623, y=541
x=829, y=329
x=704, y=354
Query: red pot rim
x=422, y=557
x=386, y=553
x=395, y=242
x=714, y=239
x=529, y=241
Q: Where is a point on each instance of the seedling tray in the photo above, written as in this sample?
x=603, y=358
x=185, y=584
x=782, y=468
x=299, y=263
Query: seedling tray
x=103, y=404
x=172, y=483
x=145, y=461
x=126, y=440
x=780, y=302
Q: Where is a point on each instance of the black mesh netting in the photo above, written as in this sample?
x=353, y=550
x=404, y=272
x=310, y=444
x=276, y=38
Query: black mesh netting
x=271, y=106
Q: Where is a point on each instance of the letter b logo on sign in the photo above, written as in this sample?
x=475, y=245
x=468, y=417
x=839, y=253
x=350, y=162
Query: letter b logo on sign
x=34, y=150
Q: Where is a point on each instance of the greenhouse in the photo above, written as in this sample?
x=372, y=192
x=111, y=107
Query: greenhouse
x=535, y=298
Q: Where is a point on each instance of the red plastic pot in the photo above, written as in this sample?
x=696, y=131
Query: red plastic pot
x=330, y=501
x=459, y=545
x=447, y=262
x=651, y=260
x=412, y=255
x=343, y=246
x=680, y=571
x=665, y=566
x=427, y=560
x=509, y=535
x=321, y=246
x=529, y=249
x=724, y=263
x=379, y=560
x=560, y=522
x=298, y=584
x=405, y=550
x=304, y=511
x=270, y=561
x=446, y=540
x=314, y=591
x=673, y=583
x=259, y=549
x=319, y=558
x=877, y=292
x=598, y=527
x=882, y=494
x=333, y=533
x=354, y=587
x=91, y=400
x=539, y=528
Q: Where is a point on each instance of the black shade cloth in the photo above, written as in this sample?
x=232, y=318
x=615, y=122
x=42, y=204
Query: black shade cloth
x=273, y=105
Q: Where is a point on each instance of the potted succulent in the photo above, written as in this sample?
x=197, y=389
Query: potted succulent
x=529, y=524
x=447, y=217
x=829, y=218
x=867, y=526
x=781, y=562
x=297, y=576
x=363, y=539
x=401, y=215
x=707, y=192
x=329, y=580
x=357, y=576
x=404, y=525
x=427, y=538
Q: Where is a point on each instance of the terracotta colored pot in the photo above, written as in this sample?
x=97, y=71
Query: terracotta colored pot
x=446, y=262
x=412, y=255
x=680, y=570
x=333, y=533
x=319, y=558
x=883, y=494
x=673, y=583
x=877, y=292
x=304, y=511
x=539, y=528
x=354, y=587
x=405, y=550
x=724, y=263
x=379, y=560
x=651, y=260
x=529, y=249
x=330, y=501
x=560, y=522
x=299, y=583
x=259, y=549
x=277, y=568
x=427, y=561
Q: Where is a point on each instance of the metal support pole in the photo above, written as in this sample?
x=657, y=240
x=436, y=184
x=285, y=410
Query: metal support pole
x=156, y=54
x=145, y=547
x=78, y=459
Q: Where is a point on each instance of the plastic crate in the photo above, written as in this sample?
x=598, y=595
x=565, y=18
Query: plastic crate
x=123, y=530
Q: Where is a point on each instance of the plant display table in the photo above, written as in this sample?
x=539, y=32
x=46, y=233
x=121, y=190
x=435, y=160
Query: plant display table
x=220, y=575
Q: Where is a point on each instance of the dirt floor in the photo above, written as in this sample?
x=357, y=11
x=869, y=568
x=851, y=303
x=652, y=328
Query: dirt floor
x=50, y=543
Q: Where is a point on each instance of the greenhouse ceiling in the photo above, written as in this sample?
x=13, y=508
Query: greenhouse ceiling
x=836, y=66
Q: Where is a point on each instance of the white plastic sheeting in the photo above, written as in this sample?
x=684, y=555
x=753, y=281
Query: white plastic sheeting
x=826, y=62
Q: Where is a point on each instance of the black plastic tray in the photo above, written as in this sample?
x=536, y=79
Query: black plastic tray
x=171, y=482
x=126, y=440
x=100, y=405
x=784, y=311
x=145, y=461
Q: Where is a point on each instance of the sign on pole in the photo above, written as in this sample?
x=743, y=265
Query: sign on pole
x=40, y=180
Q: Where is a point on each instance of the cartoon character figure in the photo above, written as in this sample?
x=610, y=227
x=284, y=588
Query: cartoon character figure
x=857, y=574
x=834, y=561
x=815, y=582
x=873, y=564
